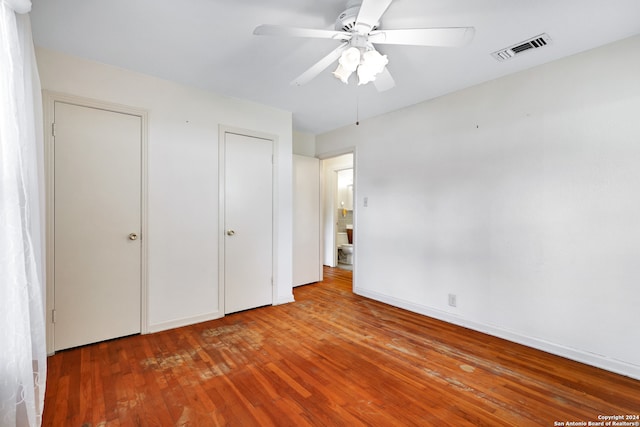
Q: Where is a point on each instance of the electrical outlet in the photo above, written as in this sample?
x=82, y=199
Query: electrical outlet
x=452, y=300
x=365, y=202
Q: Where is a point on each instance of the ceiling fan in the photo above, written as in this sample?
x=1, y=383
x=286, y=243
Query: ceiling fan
x=358, y=28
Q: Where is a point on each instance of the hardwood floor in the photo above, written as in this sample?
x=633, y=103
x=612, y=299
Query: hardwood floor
x=332, y=358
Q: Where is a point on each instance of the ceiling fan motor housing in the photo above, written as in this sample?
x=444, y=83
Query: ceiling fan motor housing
x=347, y=20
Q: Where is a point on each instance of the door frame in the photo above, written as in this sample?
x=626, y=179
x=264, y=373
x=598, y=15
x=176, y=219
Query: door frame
x=49, y=99
x=222, y=131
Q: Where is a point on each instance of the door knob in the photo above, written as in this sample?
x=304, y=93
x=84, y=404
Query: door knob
x=230, y=232
x=133, y=236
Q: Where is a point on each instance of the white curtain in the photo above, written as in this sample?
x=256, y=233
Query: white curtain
x=23, y=363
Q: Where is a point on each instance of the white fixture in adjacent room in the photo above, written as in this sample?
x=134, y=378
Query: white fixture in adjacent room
x=345, y=246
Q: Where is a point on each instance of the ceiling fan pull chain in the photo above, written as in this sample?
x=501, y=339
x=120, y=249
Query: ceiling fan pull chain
x=357, y=107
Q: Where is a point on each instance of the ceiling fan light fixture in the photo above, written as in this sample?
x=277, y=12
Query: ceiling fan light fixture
x=347, y=64
x=368, y=65
x=365, y=76
x=342, y=73
x=350, y=59
x=372, y=64
x=374, y=59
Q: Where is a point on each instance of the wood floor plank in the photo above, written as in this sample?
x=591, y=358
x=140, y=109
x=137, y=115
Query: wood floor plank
x=332, y=358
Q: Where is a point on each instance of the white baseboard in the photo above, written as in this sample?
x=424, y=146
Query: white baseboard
x=186, y=321
x=599, y=361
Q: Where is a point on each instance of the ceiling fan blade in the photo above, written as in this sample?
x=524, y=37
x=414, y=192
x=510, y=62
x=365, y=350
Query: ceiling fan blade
x=370, y=13
x=320, y=66
x=281, y=30
x=446, y=37
x=384, y=81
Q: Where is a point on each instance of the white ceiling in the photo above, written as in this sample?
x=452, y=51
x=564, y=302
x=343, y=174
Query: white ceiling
x=209, y=44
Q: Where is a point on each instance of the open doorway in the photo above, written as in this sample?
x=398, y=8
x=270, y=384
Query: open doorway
x=344, y=219
x=338, y=229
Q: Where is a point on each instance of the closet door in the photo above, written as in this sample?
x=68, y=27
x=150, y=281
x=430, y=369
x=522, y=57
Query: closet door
x=97, y=224
x=248, y=222
x=307, y=267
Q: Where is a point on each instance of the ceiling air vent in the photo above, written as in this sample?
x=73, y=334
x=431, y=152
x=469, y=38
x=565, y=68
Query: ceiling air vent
x=534, y=43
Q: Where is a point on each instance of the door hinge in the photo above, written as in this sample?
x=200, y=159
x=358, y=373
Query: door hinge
x=53, y=129
x=53, y=316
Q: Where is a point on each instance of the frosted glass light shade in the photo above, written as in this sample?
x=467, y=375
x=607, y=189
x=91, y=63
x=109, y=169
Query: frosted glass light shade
x=368, y=64
x=372, y=64
x=347, y=64
x=350, y=59
x=342, y=73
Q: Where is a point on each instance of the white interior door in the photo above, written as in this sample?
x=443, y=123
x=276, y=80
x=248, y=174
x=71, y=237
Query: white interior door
x=248, y=222
x=97, y=223
x=306, y=220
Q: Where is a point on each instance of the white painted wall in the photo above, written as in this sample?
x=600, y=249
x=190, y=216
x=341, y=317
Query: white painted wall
x=183, y=179
x=304, y=144
x=520, y=196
